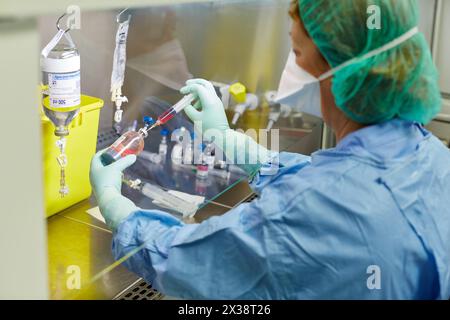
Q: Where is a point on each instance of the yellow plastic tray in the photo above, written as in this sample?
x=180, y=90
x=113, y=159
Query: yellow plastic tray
x=81, y=145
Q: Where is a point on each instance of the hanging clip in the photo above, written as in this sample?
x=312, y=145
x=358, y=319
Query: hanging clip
x=54, y=41
x=58, y=21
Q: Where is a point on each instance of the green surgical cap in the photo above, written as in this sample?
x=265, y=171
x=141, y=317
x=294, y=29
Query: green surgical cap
x=399, y=83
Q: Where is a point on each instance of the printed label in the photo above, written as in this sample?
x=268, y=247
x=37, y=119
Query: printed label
x=64, y=89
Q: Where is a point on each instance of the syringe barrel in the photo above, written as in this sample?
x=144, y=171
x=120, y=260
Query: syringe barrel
x=175, y=109
x=183, y=103
x=168, y=199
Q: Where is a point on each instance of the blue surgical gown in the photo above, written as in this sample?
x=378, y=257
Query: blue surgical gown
x=369, y=219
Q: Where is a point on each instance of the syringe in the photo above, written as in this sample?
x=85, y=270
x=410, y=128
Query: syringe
x=172, y=111
x=162, y=196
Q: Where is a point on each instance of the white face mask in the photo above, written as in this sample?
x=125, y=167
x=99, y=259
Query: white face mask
x=301, y=91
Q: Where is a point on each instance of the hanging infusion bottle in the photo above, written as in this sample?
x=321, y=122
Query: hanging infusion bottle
x=61, y=79
x=61, y=95
x=129, y=143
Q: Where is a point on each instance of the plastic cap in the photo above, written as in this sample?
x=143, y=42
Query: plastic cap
x=164, y=132
x=238, y=91
x=149, y=121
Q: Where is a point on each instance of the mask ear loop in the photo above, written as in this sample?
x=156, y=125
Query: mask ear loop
x=390, y=45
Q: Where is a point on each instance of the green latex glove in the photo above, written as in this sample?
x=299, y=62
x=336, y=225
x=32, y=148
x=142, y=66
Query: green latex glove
x=106, y=182
x=208, y=111
x=244, y=151
x=208, y=115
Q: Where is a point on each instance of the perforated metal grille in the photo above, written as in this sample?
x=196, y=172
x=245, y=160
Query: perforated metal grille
x=106, y=138
x=140, y=290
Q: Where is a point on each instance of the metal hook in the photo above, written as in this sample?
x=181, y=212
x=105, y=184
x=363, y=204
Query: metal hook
x=57, y=23
x=120, y=13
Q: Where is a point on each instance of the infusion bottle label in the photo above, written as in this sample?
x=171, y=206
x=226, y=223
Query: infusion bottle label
x=64, y=89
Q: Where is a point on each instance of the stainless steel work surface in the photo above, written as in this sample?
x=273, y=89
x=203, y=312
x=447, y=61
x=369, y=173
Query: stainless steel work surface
x=76, y=253
x=79, y=244
x=78, y=213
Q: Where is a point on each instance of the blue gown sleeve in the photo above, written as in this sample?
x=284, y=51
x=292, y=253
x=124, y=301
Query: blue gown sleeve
x=222, y=258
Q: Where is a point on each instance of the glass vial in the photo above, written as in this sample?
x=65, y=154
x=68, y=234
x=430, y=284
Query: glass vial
x=131, y=142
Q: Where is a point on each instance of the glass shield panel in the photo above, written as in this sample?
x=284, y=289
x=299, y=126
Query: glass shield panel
x=222, y=41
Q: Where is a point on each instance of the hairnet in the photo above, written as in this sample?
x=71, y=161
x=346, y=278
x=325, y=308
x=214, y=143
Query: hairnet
x=399, y=83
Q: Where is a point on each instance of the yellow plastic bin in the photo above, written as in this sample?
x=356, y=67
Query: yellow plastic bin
x=80, y=148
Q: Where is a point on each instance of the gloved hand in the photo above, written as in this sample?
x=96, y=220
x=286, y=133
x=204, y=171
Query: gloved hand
x=106, y=182
x=208, y=115
x=208, y=110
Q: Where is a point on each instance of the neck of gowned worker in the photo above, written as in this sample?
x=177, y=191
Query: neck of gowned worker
x=344, y=128
x=333, y=116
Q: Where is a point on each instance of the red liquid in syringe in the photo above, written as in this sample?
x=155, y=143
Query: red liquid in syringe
x=166, y=116
x=169, y=114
